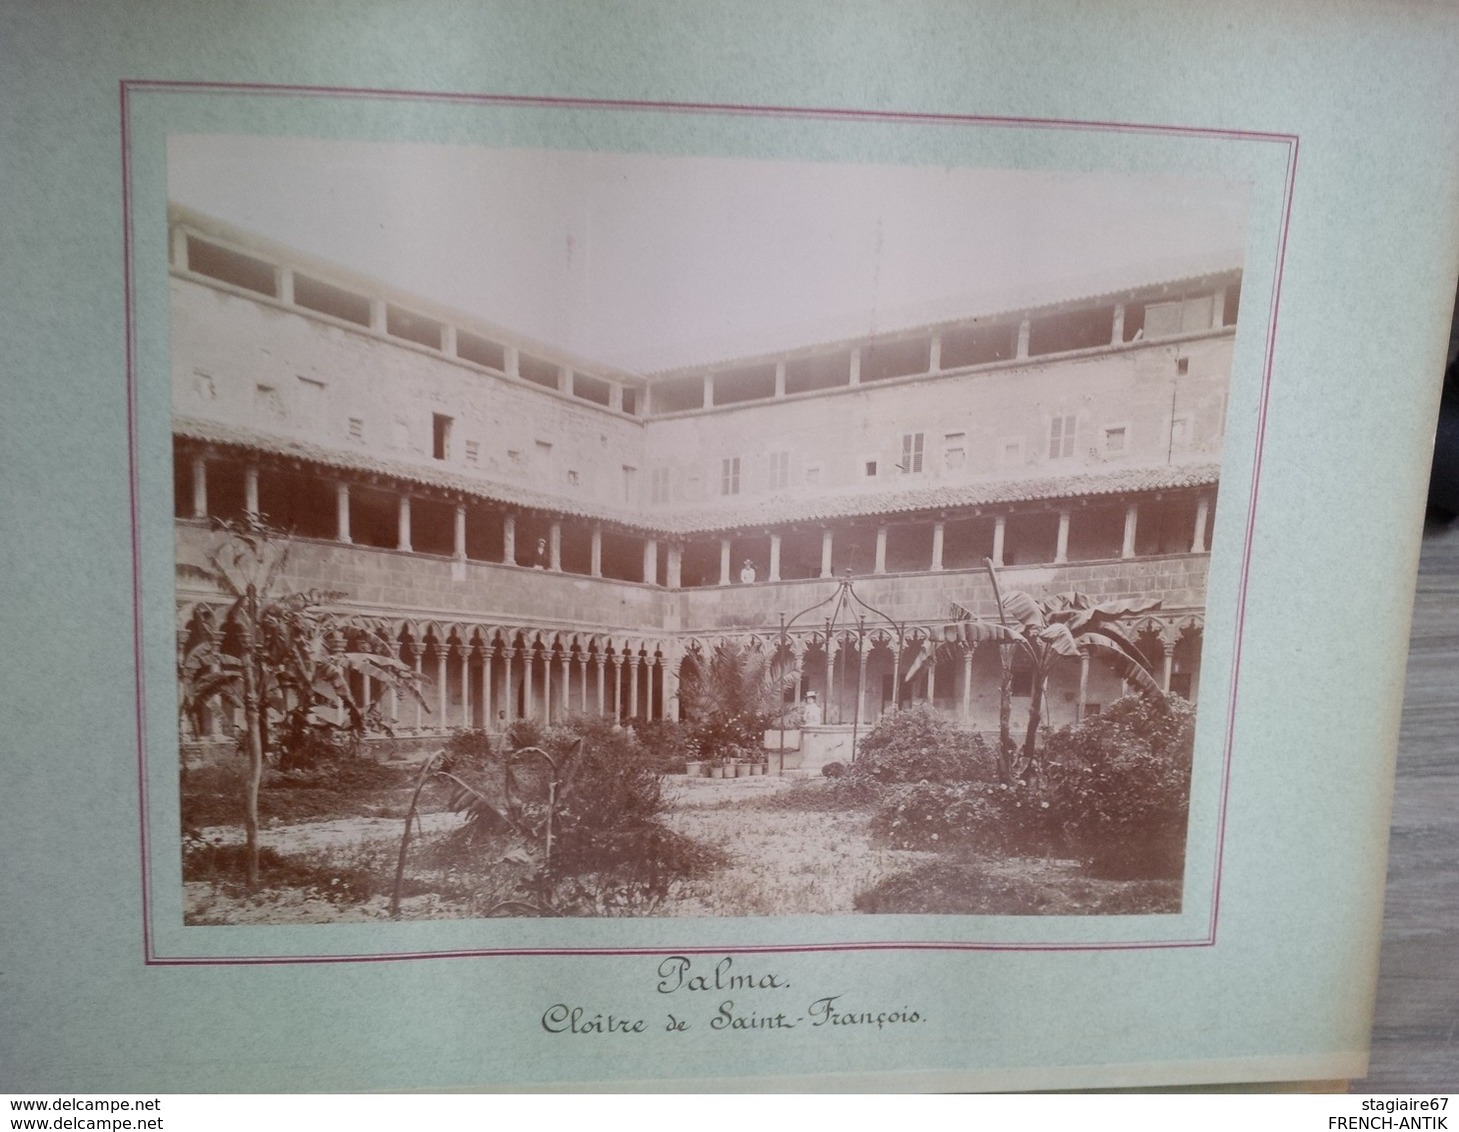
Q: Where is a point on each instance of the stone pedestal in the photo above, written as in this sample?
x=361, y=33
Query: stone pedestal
x=824, y=743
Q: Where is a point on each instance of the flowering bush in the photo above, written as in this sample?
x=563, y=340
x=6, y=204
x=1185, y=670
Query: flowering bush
x=920, y=744
x=989, y=817
x=927, y=815
x=1119, y=786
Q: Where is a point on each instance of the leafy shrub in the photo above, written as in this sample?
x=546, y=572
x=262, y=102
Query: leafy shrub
x=665, y=743
x=926, y=815
x=524, y=733
x=611, y=850
x=834, y=769
x=468, y=749
x=920, y=744
x=302, y=741
x=1119, y=786
x=984, y=816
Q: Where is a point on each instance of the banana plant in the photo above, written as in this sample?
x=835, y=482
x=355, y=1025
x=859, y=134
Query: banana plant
x=278, y=656
x=1045, y=630
x=524, y=809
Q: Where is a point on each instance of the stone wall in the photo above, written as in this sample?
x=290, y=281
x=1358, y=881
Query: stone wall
x=980, y=424
x=1177, y=580
x=412, y=586
x=246, y=364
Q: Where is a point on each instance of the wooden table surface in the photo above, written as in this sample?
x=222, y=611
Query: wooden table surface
x=1416, y=1023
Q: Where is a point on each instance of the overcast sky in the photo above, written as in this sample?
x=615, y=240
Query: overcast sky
x=648, y=263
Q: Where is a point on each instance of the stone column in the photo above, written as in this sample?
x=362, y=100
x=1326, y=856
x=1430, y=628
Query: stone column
x=675, y=566
x=938, y=529
x=618, y=687
x=546, y=685
x=671, y=689
x=860, y=681
x=566, y=662
x=826, y=547
x=1132, y=519
x=880, y=566
x=724, y=561
x=1061, y=546
x=488, y=716
x=419, y=682
x=200, y=487
x=1000, y=527
x=466, y=720
x=509, y=539
x=932, y=679
x=1083, y=686
x=342, y=512
x=443, y=699
x=583, y=681
x=1168, y=647
x=554, y=546
x=596, y=568
x=250, y=491
x=600, y=662
x=459, y=533
x=529, y=662
x=651, y=561
x=1198, y=537
x=634, y=662
x=830, y=680
x=392, y=706
x=402, y=524
x=967, y=682
x=509, y=704
x=773, y=573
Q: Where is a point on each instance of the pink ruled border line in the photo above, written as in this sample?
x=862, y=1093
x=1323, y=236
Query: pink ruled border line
x=129, y=86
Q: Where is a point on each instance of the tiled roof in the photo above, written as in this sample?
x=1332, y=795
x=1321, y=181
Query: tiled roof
x=759, y=512
x=945, y=496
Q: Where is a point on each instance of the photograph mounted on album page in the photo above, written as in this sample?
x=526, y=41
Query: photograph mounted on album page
x=679, y=578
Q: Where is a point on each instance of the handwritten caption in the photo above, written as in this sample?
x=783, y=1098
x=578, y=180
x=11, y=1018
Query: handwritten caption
x=746, y=1000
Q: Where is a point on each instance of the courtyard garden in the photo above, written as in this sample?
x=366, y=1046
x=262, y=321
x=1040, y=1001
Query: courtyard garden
x=318, y=814
x=593, y=820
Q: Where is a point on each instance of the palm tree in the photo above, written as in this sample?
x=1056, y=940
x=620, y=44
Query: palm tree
x=277, y=656
x=733, y=695
x=1044, y=630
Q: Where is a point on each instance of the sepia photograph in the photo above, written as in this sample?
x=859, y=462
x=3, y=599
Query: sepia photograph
x=579, y=533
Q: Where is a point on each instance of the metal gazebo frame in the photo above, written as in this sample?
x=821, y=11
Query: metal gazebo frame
x=845, y=621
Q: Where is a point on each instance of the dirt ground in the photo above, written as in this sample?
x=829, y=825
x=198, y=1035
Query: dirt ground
x=800, y=859
x=781, y=861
